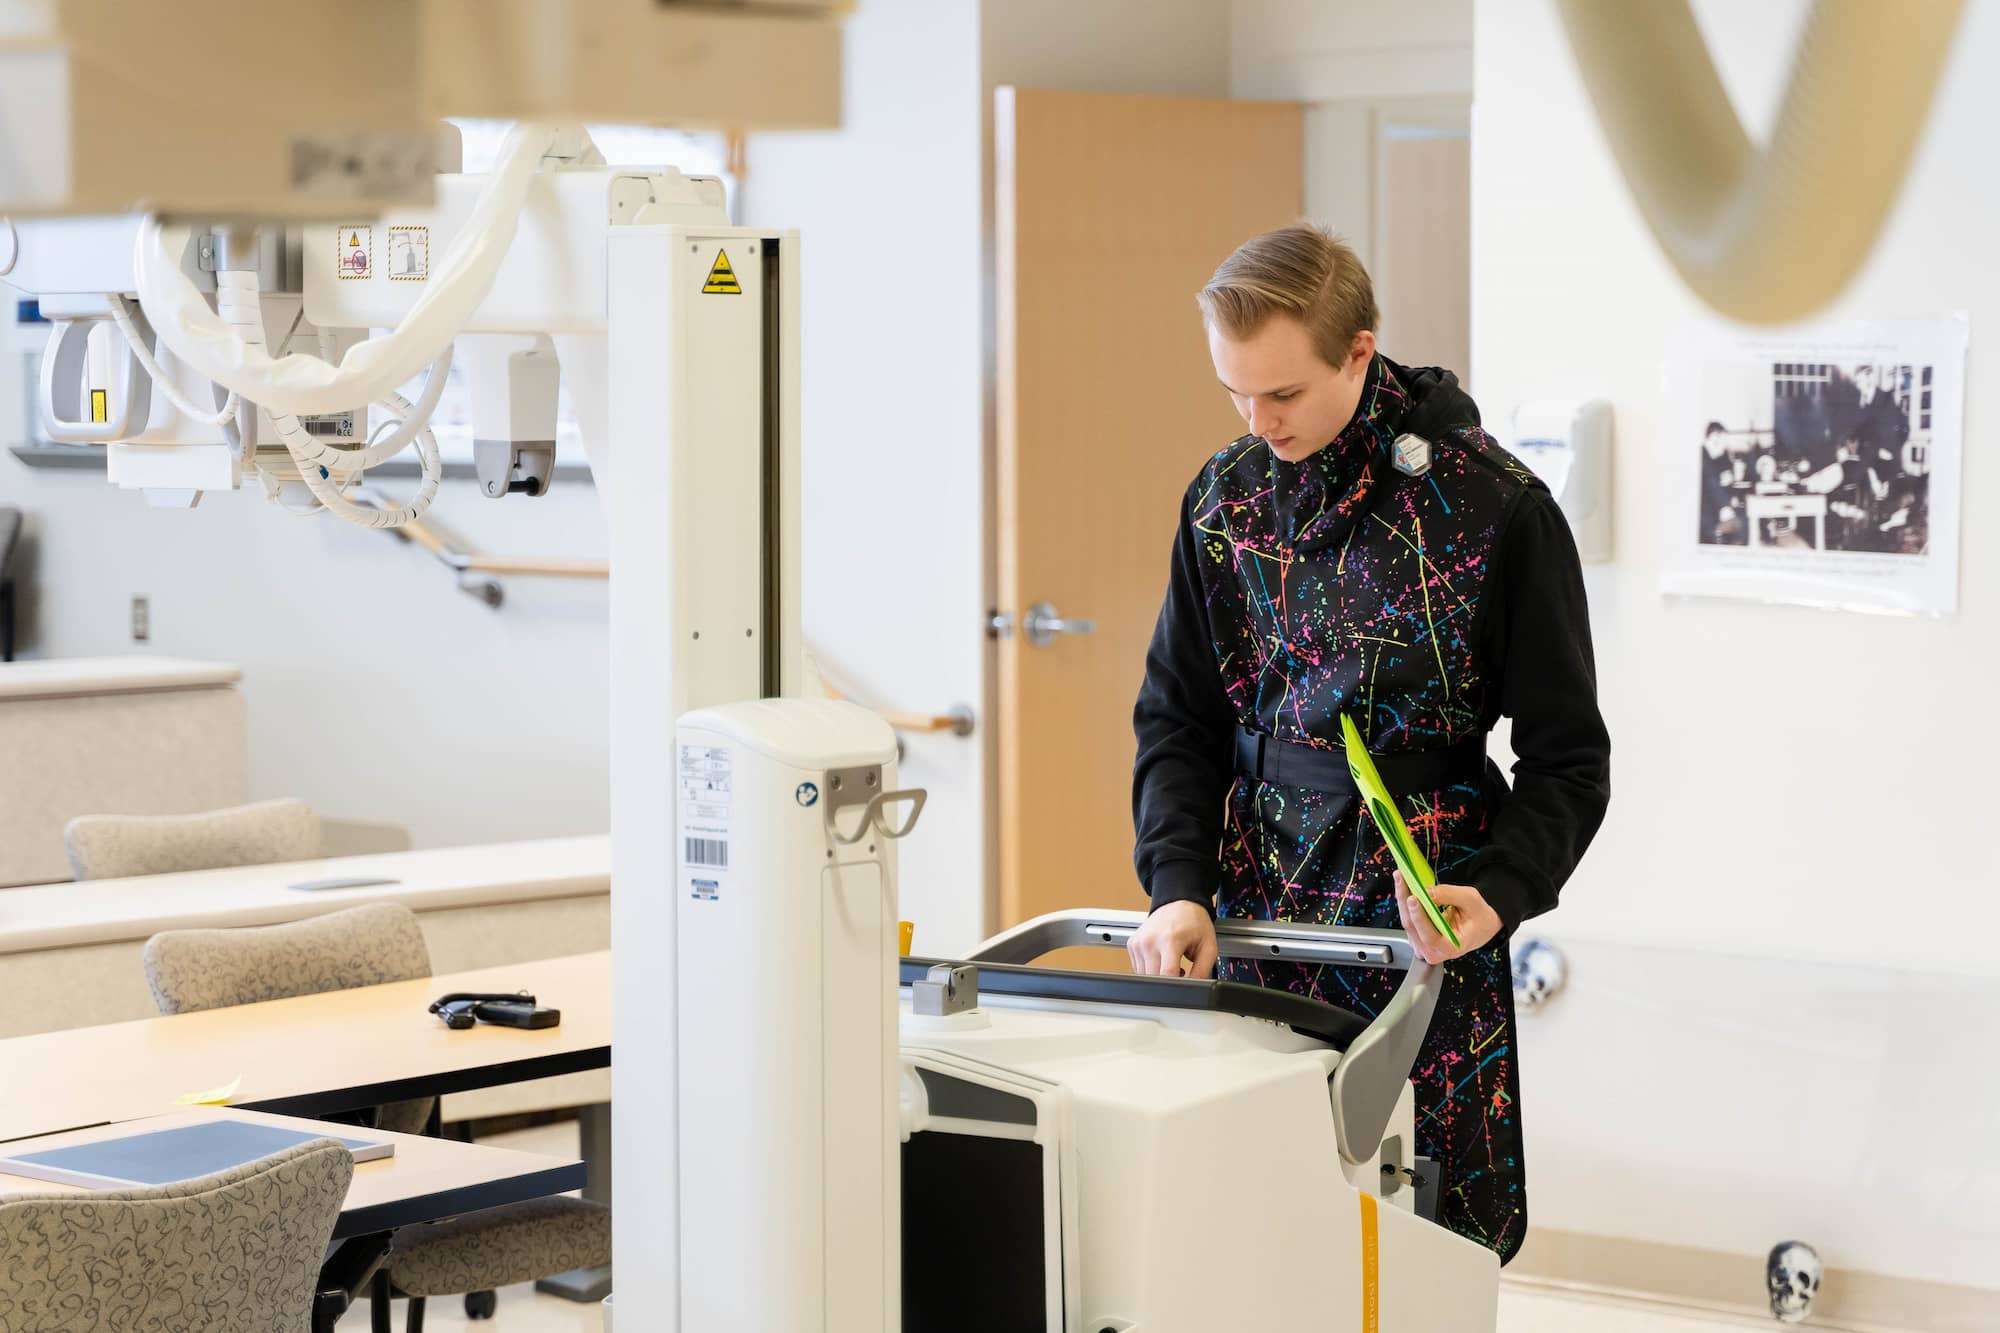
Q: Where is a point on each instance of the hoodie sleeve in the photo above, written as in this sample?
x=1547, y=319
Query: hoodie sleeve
x=1186, y=735
x=1538, y=641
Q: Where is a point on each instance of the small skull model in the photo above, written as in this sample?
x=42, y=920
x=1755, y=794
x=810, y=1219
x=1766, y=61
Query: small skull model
x=1793, y=1274
x=1539, y=971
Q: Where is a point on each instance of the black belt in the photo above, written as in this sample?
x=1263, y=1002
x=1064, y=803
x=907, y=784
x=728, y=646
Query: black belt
x=1290, y=764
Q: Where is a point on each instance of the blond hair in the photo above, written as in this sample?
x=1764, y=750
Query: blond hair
x=1303, y=271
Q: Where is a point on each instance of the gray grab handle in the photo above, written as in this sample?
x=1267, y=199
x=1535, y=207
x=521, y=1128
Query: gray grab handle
x=1369, y=1079
x=1289, y=941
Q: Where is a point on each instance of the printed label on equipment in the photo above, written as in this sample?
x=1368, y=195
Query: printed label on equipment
x=337, y=426
x=705, y=792
x=721, y=277
x=354, y=244
x=409, y=254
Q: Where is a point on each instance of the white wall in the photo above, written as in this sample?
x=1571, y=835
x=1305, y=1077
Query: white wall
x=1177, y=47
x=375, y=689
x=896, y=215
x=1354, y=49
x=894, y=568
x=1352, y=62
x=1820, y=842
x=1807, y=829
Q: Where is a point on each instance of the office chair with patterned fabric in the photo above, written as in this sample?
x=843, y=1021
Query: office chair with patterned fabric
x=366, y=946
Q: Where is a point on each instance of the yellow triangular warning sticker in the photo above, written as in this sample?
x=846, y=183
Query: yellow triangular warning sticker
x=721, y=277
x=354, y=239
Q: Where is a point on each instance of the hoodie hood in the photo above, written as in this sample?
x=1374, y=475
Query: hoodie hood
x=1437, y=405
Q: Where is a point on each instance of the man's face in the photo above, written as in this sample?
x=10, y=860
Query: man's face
x=1284, y=391
x=1865, y=380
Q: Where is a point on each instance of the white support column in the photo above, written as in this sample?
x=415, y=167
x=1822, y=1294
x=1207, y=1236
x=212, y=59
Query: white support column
x=645, y=698
x=685, y=378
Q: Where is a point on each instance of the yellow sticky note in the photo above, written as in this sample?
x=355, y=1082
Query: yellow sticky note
x=213, y=1097
x=906, y=933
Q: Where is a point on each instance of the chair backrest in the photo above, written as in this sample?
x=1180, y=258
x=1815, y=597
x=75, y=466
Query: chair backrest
x=111, y=846
x=238, y=1250
x=211, y=969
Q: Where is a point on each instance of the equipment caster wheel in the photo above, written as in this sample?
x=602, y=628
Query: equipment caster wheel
x=481, y=1304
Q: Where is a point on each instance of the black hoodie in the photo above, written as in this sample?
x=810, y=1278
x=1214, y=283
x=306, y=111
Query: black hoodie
x=1537, y=644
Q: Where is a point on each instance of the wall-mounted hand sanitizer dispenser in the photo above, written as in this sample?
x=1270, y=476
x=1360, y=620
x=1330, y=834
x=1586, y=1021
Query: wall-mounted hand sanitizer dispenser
x=1568, y=444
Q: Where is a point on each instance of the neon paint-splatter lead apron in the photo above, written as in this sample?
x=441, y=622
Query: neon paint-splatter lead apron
x=1340, y=584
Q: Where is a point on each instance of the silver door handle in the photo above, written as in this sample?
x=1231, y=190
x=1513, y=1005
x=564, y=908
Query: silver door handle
x=1042, y=623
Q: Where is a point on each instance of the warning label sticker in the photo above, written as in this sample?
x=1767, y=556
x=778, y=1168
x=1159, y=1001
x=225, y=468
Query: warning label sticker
x=722, y=277
x=703, y=809
x=354, y=250
x=409, y=254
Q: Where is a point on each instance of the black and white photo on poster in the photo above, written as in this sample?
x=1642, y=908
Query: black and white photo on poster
x=1817, y=465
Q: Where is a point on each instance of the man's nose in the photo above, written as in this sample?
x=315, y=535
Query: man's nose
x=1263, y=421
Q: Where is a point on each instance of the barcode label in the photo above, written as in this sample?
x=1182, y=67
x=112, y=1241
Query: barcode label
x=339, y=426
x=707, y=852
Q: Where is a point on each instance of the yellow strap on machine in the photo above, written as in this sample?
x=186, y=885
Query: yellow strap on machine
x=1371, y=1268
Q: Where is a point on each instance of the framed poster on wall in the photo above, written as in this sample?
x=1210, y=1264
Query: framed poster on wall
x=1817, y=465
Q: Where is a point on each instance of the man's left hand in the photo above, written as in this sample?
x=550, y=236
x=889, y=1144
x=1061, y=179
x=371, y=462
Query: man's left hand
x=1476, y=923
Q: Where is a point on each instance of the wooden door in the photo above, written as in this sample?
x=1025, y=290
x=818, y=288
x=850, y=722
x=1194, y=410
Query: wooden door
x=1423, y=236
x=1110, y=212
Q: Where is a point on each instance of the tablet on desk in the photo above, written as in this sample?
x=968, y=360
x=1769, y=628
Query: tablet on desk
x=162, y=1156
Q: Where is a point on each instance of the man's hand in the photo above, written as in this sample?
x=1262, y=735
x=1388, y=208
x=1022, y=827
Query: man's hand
x=1175, y=931
x=1476, y=923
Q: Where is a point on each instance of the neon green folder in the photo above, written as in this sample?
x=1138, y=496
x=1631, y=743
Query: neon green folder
x=1417, y=872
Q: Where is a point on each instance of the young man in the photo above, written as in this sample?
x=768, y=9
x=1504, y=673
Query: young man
x=1367, y=549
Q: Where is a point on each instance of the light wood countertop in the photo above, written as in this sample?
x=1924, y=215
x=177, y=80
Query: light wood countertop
x=65, y=915
x=317, y=1053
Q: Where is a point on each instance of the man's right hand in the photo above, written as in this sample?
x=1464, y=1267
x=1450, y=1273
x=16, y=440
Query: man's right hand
x=1174, y=932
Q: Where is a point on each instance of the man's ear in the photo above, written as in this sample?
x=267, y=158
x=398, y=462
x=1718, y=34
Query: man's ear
x=1361, y=350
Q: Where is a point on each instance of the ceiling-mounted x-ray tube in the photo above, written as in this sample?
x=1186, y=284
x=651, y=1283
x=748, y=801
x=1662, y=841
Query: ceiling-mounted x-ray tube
x=1764, y=235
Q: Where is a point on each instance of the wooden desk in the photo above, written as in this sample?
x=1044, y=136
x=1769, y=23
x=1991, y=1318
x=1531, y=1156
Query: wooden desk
x=310, y=1055
x=70, y=952
x=425, y=1180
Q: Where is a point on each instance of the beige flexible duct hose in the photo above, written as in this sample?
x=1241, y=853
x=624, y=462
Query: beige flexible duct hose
x=1764, y=236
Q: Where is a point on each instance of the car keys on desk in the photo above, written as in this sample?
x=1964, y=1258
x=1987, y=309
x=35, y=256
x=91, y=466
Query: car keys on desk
x=461, y=1009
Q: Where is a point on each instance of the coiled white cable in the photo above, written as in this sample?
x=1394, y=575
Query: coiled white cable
x=324, y=469
x=238, y=303
x=330, y=487
x=121, y=314
x=370, y=370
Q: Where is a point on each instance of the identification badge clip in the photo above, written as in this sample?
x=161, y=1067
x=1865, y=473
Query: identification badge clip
x=1412, y=455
